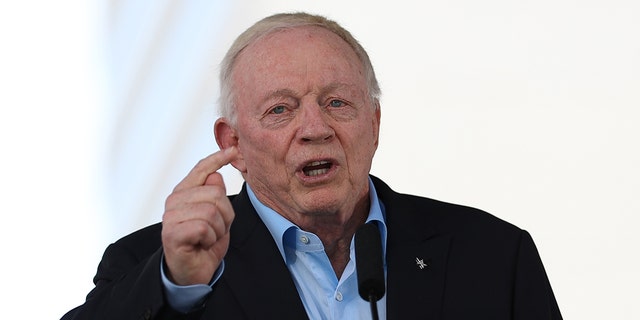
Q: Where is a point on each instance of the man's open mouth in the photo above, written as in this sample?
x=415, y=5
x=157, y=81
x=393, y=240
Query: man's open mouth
x=316, y=168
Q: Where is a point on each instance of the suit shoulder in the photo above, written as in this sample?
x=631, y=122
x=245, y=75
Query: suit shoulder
x=461, y=216
x=418, y=212
x=142, y=242
x=471, y=230
x=148, y=232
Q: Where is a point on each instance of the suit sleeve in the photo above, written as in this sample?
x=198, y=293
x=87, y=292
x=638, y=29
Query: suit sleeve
x=128, y=285
x=533, y=296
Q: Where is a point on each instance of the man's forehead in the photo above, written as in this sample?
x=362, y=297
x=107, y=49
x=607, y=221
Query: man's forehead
x=291, y=37
x=297, y=50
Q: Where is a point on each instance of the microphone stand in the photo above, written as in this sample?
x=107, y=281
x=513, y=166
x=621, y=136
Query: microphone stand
x=374, y=306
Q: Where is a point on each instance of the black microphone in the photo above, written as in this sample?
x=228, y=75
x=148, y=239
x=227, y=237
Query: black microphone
x=369, y=265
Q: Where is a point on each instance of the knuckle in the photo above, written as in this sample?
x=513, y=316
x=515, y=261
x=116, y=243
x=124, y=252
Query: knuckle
x=167, y=216
x=209, y=209
x=201, y=229
x=172, y=199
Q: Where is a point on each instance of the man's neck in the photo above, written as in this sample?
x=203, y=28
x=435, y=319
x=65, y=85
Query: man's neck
x=336, y=234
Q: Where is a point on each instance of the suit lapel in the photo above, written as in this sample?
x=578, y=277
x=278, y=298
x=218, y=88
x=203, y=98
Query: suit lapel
x=416, y=258
x=416, y=279
x=255, y=270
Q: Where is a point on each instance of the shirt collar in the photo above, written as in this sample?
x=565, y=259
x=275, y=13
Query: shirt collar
x=278, y=225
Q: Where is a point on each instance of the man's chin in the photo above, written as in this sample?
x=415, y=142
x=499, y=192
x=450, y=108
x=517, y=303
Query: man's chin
x=322, y=203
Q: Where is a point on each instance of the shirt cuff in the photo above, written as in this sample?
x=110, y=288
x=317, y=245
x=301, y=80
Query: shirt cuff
x=186, y=298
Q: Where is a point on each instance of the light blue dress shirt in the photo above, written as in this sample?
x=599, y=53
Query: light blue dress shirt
x=323, y=295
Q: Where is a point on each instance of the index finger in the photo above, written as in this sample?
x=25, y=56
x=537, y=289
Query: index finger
x=205, y=167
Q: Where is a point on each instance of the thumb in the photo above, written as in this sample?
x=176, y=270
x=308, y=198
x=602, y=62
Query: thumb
x=214, y=179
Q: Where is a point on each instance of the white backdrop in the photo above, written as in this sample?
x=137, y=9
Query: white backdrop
x=526, y=109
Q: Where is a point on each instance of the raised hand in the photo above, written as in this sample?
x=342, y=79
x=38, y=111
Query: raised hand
x=196, y=222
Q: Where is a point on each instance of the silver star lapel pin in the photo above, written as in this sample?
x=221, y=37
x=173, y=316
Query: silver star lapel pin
x=420, y=263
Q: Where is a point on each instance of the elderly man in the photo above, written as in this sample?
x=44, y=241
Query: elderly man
x=300, y=121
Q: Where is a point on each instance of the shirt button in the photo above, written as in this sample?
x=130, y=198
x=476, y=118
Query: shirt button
x=304, y=239
x=339, y=296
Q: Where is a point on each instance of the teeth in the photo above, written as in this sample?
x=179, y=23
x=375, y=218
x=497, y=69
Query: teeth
x=316, y=168
x=317, y=163
x=316, y=172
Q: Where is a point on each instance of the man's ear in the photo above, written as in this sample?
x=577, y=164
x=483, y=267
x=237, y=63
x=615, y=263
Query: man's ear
x=226, y=137
x=376, y=124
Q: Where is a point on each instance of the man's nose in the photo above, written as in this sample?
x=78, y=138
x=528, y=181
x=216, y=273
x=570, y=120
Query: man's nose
x=314, y=124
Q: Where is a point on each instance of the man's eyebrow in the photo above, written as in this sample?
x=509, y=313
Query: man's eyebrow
x=336, y=86
x=285, y=92
x=279, y=94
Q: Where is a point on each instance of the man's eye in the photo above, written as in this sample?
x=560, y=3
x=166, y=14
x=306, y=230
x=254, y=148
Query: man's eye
x=336, y=103
x=278, y=109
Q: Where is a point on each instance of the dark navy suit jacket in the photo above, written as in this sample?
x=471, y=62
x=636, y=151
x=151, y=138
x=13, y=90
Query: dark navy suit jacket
x=478, y=267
